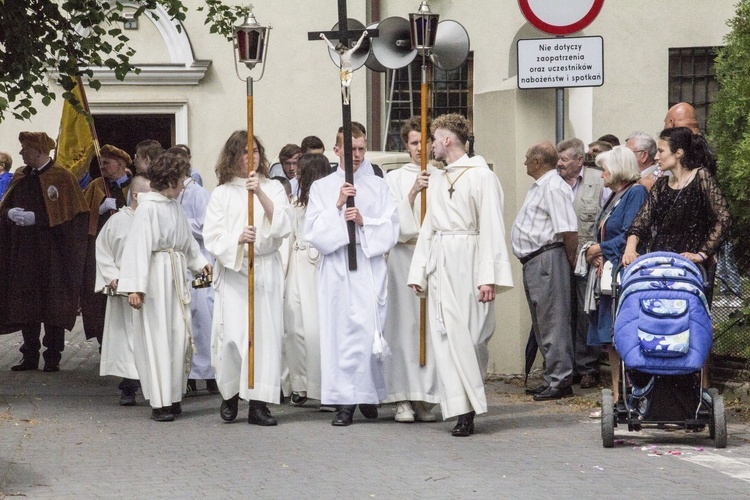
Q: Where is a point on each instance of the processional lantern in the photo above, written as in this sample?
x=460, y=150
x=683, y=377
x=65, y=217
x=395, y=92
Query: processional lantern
x=250, y=43
x=424, y=25
x=250, y=47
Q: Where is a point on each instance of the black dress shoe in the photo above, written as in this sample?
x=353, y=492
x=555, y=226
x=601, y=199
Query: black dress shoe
x=344, y=416
x=211, y=386
x=259, y=414
x=369, y=411
x=298, y=399
x=465, y=425
x=229, y=408
x=26, y=364
x=162, y=414
x=51, y=366
x=127, y=398
x=176, y=408
x=535, y=390
x=551, y=393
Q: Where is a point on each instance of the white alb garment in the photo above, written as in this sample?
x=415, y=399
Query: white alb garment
x=352, y=303
x=158, y=249
x=461, y=246
x=405, y=380
x=301, y=328
x=226, y=217
x=117, y=356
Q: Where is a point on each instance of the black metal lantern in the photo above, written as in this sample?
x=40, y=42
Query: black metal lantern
x=250, y=41
x=423, y=25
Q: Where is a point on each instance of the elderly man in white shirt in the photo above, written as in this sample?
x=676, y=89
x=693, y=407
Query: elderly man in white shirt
x=545, y=239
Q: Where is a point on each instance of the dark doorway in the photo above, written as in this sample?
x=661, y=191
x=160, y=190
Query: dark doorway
x=126, y=131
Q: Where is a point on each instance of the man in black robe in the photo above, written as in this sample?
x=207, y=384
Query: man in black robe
x=43, y=222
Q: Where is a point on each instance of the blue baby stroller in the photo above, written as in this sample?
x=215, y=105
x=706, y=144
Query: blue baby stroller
x=663, y=333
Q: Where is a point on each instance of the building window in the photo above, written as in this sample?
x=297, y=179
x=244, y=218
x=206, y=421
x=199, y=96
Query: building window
x=448, y=92
x=692, y=79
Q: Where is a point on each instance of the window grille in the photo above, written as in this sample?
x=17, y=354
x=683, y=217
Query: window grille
x=692, y=79
x=449, y=92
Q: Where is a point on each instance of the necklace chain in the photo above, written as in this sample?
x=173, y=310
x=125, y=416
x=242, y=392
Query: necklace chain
x=450, y=189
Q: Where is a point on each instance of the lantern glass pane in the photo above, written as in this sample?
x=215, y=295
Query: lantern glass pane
x=250, y=45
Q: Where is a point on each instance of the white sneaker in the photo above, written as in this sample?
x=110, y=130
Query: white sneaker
x=423, y=413
x=404, y=412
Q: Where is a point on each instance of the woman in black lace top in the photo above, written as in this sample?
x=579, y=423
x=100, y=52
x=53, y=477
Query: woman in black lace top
x=685, y=213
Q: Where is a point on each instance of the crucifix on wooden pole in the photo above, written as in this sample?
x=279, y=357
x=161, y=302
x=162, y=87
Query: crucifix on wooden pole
x=345, y=36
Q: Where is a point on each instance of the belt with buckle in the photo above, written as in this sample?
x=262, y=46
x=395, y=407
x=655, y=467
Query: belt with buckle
x=536, y=253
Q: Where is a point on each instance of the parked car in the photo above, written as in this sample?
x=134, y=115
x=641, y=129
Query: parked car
x=386, y=160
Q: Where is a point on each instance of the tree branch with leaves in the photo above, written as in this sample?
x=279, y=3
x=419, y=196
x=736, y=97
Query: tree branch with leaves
x=46, y=41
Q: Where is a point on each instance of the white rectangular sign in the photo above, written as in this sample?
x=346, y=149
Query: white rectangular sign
x=561, y=62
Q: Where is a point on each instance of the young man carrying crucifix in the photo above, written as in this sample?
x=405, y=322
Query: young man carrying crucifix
x=352, y=303
x=461, y=262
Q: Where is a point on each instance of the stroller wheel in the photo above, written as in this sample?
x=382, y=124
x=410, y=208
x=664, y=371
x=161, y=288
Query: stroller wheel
x=608, y=419
x=717, y=422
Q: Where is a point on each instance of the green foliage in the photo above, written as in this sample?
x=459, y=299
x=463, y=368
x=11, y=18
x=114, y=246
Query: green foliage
x=729, y=124
x=223, y=17
x=44, y=40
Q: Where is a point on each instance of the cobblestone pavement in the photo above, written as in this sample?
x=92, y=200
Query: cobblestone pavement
x=64, y=436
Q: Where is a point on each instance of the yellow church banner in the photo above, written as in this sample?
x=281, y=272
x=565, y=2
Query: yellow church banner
x=76, y=142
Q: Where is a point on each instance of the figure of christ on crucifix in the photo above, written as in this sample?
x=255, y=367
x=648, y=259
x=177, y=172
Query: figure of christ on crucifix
x=343, y=34
x=345, y=63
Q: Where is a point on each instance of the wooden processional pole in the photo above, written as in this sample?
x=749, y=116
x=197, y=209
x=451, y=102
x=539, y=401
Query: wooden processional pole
x=423, y=208
x=251, y=246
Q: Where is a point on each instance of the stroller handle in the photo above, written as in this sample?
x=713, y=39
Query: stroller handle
x=616, y=275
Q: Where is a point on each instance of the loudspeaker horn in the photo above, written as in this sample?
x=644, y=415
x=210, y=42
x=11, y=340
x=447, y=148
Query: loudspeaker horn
x=392, y=48
x=371, y=62
x=451, y=45
x=360, y=55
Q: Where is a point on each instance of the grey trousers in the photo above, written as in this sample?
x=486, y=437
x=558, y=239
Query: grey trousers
x=546, y=280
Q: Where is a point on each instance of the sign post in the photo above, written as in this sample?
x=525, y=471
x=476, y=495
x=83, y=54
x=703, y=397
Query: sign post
x=559, y=18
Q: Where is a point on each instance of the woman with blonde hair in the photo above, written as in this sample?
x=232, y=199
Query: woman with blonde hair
x=620, y=173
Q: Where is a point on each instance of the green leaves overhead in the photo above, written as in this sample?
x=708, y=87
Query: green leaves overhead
x=45, y=41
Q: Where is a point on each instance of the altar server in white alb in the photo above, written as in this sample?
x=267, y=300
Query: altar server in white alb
x=412, y=387
x=461, y=262
x=158, y=249
x=194, y=200
x=301, y=328
x=352, y=303
x=117, y=357
x=227, y=234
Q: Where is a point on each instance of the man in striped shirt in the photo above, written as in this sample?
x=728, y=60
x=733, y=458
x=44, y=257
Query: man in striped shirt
x=545, y=238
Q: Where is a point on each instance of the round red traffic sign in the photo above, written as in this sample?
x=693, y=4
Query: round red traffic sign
x=560, y=17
